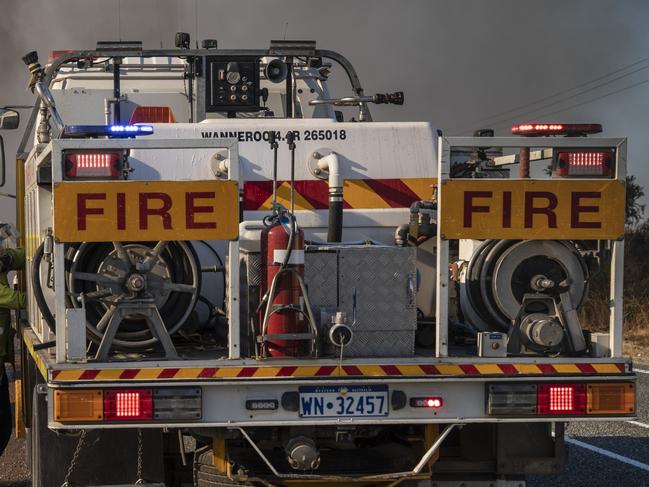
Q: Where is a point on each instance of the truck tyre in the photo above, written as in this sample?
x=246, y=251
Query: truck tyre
x=207, y=475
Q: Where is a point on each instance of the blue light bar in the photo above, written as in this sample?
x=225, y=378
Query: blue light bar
x=132, y=129
x=110, y=131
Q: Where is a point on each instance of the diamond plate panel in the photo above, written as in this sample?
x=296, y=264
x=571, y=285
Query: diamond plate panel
x=321, y=277
x=383, y=279
x=252, y=263
x=381, y=344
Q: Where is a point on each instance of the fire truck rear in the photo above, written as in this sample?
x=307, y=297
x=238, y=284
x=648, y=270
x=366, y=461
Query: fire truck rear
x=236, y=278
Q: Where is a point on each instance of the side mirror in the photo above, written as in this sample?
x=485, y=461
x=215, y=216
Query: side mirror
x=9, y=119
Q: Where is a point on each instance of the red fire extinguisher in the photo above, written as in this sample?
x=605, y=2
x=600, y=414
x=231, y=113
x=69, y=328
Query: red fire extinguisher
x=284, y=316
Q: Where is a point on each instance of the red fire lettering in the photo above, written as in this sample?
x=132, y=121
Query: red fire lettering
x=470, y=209
x=531, y=210
x=507, y=209
x=162, y=212
x=191, y=209
x=82, y=209
x=121, y=211
x=576, y=208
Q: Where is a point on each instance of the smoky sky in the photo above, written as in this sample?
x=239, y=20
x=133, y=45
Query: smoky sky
x=459, y=62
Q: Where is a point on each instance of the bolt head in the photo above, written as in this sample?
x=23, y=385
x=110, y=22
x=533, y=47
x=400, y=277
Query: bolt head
x=135, y=282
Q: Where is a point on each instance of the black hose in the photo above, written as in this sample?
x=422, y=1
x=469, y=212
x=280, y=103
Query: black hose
x=38, y=290
x=335, y=229
x=218, y=257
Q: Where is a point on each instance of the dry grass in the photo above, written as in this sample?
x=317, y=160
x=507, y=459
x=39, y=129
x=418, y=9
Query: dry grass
x=594, y=313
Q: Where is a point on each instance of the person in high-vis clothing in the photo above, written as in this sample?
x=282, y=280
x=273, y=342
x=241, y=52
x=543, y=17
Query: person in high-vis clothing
x=10, y=260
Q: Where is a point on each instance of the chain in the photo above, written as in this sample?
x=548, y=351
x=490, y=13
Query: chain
x=140, y=479
x=340, y=359
x=75, y=457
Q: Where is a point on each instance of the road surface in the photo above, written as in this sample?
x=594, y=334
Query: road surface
x=599, y=454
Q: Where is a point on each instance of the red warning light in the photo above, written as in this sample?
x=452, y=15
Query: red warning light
x=426, y=402
x=570, y=129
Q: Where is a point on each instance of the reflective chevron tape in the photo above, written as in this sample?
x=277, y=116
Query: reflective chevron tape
x=333, y=371
x=357, y=193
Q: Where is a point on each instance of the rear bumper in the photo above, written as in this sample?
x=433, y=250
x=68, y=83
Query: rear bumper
x=226, y=385
x=224, y=403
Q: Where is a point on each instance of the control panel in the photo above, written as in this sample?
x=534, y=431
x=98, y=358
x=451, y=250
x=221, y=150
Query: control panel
x=232, y=84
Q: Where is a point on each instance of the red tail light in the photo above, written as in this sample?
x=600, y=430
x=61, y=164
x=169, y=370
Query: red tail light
x=128, y=404
x=583, y=163
x=559, y=399
x=93, y=164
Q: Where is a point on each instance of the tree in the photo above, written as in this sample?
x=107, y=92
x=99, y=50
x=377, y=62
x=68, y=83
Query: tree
x=634, y=210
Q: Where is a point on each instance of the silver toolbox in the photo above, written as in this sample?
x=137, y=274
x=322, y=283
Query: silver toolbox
x=381, y=280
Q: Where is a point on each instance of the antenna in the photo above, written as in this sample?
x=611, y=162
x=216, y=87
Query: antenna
x=196, y=20
x=119, y=18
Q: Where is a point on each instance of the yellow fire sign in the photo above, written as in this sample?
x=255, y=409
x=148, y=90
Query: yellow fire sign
x=532, y=209
x=131, y=211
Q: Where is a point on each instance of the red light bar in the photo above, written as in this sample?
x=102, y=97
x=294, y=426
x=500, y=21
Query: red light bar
x=583, y=163
x=426, y=402
x=569, y=129
x=561, y=399
x=128, y=404
x=93, y=164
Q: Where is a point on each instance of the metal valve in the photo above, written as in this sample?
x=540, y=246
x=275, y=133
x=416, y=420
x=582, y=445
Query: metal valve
x=340, y=332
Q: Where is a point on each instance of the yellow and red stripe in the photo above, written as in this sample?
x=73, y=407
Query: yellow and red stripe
x=333, y=371
x=313, y=194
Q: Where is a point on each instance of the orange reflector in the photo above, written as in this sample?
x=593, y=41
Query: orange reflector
x=78, y=405
x=611, y=398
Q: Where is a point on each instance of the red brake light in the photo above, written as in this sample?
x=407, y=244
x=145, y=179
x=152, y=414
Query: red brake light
x=128, y=404
x=426, y=402
x=561, y=399
x=93, y=164
x=583, y=163
x=570, y=129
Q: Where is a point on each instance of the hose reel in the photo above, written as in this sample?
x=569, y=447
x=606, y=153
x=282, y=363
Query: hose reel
x=136, y=283
x=502, y=272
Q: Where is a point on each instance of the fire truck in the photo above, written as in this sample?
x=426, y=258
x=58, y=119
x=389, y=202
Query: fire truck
x=236, y=277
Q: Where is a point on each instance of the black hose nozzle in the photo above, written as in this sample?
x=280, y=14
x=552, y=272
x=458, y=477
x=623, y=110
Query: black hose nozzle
x=395, y=98
x=290, y=140
x=30, y=58
x=272, y=139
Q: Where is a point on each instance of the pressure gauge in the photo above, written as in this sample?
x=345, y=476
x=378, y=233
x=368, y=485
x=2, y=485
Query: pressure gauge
x=233, y=77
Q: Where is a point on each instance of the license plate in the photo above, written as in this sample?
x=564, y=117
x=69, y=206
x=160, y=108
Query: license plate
x=343, y=401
